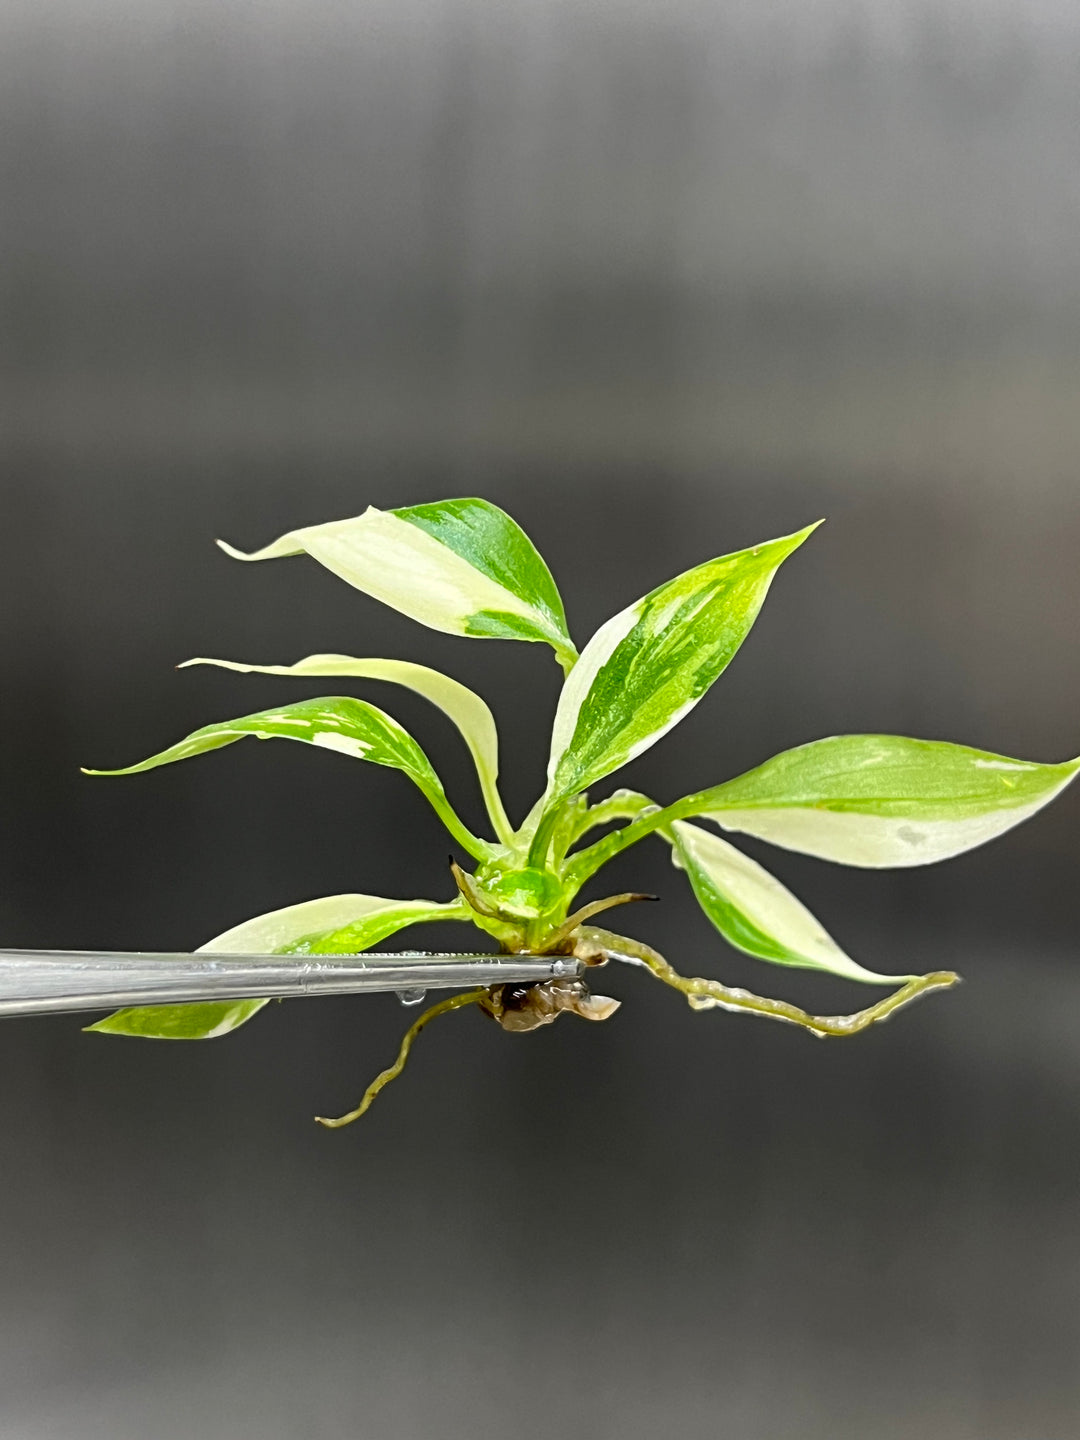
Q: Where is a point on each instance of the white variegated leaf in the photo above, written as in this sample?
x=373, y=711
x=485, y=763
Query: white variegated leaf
x=334, y=924
x=338, y=722
x=330, y=925
x=883, y=800
x=755, y=912
x=460, y=566
x=463, y=706
x=649, y=665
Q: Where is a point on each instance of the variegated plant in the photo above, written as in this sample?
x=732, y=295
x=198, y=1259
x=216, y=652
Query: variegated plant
x=463, y=566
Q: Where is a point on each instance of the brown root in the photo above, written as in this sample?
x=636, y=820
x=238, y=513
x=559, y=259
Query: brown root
x=455, y=1002
x=520, y=1008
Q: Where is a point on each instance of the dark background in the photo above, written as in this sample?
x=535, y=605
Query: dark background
x=664, y=281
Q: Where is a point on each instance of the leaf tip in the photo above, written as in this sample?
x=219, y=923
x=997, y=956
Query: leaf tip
x=102, y=1026
x=231, y=550
x=786, y=545
x=806, y=532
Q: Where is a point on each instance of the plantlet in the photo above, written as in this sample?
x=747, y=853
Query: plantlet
x=465, y=567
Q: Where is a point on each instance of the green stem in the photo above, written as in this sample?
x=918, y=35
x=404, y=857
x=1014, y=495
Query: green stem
x=496, y=810
x=541, y=844
x=587, y=862
x=710, y=994
x=623, y=805
x=567, y=658
x=555, y=938
x=455, y=1002
x=477, y=848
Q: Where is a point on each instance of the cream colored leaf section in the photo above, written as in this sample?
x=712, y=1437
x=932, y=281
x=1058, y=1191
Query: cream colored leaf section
x=404, y=567
x=580, y=681
x=874, y=842
x=883, y=800
x=272, y=932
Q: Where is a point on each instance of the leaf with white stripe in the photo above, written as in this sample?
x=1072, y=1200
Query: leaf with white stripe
x=755, y=912
x=460, y=566
x=463, y=706
x=332, y=925
x=649, y=665
x=338, y=722
x=883, y=800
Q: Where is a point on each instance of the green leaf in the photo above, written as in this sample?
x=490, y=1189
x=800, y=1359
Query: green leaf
x=463, y=706
x=338, y=722
x=882, y=800
x=205, y=1021
x=754, y=912
x=332, y=925
x=315, y=927
x=649, y=665
x=460, y=566
x=367, y=930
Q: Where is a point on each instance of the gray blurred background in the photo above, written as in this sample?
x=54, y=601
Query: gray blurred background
x=663, y=280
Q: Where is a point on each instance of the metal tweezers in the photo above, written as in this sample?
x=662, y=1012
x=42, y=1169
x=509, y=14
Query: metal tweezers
x=47, y=982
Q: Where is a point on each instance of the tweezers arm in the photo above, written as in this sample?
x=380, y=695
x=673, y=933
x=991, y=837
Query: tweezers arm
x=45, y=982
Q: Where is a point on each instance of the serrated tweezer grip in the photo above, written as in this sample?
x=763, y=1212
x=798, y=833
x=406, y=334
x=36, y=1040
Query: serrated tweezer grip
x=45, y=982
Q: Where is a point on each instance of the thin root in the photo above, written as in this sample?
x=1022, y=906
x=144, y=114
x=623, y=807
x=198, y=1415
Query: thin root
x=567, y=928
x=455, y=1002
x=710, y=994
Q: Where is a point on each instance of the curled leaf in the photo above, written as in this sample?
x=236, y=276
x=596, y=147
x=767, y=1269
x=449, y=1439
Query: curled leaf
x=462, y=706
x=341, y=723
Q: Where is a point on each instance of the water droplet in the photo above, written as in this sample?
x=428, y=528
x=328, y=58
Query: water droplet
x=414, y=996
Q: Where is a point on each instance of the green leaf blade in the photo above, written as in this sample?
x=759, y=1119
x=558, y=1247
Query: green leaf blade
x=497, y=547
x=330, y=925
x=649, y=665
x=460, y=566
x=339, y=722
x=461, y=705
x=883, y=801
x=205, y=1021
x=755, y=912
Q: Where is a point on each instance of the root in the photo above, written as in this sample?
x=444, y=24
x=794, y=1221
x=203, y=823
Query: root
x=567, y=928
x=598, y=945
x=455, y=1002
